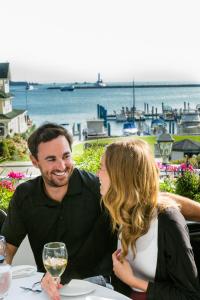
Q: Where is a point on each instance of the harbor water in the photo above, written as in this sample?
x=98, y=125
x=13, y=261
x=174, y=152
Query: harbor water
x=80, y=105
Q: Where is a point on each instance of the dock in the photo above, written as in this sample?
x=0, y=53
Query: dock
x=114, y=86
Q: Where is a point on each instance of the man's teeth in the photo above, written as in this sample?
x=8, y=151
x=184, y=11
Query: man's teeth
x=59, y=173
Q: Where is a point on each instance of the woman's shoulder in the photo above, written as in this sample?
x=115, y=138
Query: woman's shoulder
x=172, y=223
x=171, y=216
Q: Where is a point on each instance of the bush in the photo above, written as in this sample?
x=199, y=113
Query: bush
x=188, y=185
x=168, y=185
x=90, y=159
x=14, y=148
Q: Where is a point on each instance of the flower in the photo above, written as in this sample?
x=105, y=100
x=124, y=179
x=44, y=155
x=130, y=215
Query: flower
x=186, y=167
x=7, y=184
x=7, y=188
x=16, y=175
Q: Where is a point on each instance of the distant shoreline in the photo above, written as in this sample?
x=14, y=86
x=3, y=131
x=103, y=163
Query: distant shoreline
x=108, y=86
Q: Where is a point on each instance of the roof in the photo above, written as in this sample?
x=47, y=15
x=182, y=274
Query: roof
x=164, y=137
x=11, y=115
x=186, y=145
x=4, y=70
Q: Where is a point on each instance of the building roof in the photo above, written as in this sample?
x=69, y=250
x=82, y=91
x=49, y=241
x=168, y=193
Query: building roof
x=4, y=70
x=186, y=145
x=13, y=114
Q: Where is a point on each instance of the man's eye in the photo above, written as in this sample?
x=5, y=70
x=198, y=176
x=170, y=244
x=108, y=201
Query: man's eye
x=50, y=159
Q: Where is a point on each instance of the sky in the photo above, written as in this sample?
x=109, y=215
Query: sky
x=73, y=40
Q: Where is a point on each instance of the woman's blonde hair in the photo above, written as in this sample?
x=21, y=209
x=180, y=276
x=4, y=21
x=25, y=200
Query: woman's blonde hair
x=133, y=193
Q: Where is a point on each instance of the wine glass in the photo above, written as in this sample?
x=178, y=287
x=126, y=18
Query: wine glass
x=55, y=258
x=2, y=248
x=5, y=279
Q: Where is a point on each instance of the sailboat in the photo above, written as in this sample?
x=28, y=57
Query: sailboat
x=129, y=128
x=29, y=87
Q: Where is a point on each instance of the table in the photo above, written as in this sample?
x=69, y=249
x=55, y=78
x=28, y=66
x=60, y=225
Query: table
x=16, y=292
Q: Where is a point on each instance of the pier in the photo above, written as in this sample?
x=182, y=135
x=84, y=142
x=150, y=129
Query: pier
x=113, y=86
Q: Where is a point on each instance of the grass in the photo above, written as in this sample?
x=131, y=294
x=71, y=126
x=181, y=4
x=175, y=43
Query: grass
x=151, y=140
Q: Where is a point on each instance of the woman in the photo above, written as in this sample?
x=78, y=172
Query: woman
x=154, y=257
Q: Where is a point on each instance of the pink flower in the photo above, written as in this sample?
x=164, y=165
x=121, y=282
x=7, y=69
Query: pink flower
x=185, y=167
x=16, y=175
x=7, y=185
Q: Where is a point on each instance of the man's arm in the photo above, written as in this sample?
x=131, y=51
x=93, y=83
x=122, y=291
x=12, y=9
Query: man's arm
x=10, y=252
x=189, y=208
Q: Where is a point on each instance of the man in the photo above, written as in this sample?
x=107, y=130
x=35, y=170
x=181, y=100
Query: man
x=63, y=204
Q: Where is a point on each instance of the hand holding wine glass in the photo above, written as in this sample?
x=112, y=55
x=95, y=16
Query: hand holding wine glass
x=2, y=248
x=55, y=259
x=5, y=270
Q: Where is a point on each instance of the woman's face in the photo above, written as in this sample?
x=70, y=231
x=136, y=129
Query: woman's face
x=103, y=177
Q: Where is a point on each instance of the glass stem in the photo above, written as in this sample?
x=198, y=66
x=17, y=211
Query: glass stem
x=56, y=280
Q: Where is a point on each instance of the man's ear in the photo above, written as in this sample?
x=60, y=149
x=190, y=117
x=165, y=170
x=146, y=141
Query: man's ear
x=34, y=161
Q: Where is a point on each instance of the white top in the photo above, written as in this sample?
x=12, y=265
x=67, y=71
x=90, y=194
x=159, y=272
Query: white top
x=145, y=262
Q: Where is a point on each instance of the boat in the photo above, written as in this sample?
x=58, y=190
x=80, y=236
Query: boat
x=158, y=126
x=68, y=88
x=122, y=116
x=129, y=128
x=189, y=123
x=29, y=87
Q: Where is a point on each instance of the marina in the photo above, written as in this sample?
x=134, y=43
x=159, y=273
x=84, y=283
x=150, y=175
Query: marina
x=77, y=107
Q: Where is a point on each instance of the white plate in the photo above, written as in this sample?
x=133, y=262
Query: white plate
x=77, y=288
x=23, y=271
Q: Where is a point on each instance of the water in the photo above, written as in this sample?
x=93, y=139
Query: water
x=80, y=105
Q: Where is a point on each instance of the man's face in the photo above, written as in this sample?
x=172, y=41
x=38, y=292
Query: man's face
x=54, y=161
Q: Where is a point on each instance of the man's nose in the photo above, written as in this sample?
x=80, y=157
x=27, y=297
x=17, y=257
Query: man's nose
x=61, y=164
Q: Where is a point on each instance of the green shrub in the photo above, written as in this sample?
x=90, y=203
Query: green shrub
x=188, y=185
x=13, y=148
x=90, y=159
x=168, y=185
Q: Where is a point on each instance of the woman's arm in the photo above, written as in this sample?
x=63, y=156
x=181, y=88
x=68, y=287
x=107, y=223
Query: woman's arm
x=124, y=272
x=189, y=208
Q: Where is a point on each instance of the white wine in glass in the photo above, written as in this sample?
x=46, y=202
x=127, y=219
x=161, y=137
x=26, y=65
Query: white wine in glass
x=55, y=258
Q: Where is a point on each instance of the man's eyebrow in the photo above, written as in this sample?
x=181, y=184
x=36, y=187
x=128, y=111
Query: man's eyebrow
x=66, y=153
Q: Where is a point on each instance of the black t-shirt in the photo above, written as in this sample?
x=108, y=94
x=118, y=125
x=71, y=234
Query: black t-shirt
x=79, y=221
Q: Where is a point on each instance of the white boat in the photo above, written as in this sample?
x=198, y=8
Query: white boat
x=189, y=123
x=29, y=87
x=129, y=128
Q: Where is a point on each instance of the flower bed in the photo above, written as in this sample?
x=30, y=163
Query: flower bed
x=7, y=188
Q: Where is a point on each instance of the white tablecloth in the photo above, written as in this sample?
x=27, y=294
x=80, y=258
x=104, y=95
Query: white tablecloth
x=16, y=293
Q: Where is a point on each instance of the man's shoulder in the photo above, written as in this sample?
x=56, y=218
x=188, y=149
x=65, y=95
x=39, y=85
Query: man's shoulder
x=88, y=176
x=90, y=180
x=28, y=185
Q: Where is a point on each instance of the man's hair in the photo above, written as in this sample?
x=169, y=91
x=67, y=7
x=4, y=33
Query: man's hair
x=46, y=133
